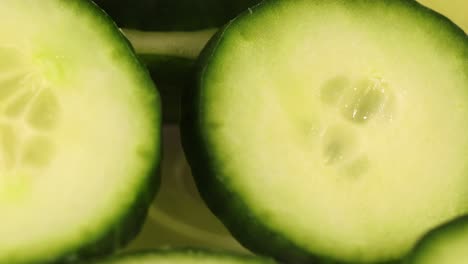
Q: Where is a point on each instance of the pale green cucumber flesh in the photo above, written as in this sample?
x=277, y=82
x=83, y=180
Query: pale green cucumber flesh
x=447, y=244
x=79, y=133
x=332, y=130
x=185, y=256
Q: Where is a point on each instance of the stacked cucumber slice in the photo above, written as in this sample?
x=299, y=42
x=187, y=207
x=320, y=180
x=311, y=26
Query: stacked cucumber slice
x=79, y=133
x=332, y=130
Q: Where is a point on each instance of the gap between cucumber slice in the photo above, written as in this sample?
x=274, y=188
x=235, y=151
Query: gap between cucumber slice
x=183, y=18
x=170, y=57
x=178, y=216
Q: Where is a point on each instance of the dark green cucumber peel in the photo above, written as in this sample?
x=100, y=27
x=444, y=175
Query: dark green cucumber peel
x=182, y=256
x=125, y=224
x=226, y=203
x=120, y=233
x=446, y=244
x=172, y=76
x=169, y=15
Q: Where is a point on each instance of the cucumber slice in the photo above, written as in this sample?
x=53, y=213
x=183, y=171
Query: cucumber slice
x=182, y=28
x=332, y=130
x=447, y=244
x=185, y=256
x=79, y=133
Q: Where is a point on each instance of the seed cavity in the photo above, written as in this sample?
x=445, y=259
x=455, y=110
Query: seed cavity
x=332, y=90
x=38, y=151
x=44, y=113
x=365, y=100
x=359, y=101
x=28, y=109
x=18, y=105
x=8, y=146
x=339, y=145
x=357, y=167
x=9, y=87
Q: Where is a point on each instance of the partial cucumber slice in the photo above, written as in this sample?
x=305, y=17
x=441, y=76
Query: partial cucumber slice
x=184, y=257
x=332, y=130
x=79, y=133
x=183, y=28
x=445, y=245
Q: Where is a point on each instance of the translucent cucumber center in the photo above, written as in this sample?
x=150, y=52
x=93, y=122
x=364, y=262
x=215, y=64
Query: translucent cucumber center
x=29, y=112
x=359, y=100
x=357, y=103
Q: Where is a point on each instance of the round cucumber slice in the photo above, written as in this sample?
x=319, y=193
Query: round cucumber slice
x=79, y=133
x=447, y=244
x=185, y=256
x=332, y=130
